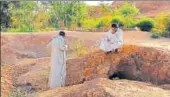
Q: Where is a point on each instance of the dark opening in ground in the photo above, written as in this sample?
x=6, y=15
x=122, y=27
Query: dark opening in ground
x=116, y=76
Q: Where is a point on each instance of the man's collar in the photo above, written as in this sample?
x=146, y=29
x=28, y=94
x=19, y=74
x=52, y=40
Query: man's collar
x=115, y=32
x=61, y=37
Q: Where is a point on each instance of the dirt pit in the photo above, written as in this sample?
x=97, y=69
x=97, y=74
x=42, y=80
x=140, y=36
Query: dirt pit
x=28, y=68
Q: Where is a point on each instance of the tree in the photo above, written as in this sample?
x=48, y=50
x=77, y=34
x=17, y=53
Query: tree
x=105, y=8
x=65, y=13
x=22, y=15
x=128, y=9
x=41, y=16
x=5, y=14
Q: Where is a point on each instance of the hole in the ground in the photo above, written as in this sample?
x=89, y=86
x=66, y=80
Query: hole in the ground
x=116, y=76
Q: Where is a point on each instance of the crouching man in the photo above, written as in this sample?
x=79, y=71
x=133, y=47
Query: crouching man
x=112, y=40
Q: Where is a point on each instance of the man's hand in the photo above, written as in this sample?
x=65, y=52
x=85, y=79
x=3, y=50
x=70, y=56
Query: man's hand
x=66, y=47
x=108, y=40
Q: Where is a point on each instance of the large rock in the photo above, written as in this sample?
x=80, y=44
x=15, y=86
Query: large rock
x=102, y=87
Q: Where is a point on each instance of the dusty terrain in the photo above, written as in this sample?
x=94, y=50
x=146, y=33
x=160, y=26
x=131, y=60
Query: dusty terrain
x=106, y=88
x=26, y=63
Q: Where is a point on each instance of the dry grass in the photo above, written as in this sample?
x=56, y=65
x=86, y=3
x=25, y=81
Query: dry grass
x=81, y=49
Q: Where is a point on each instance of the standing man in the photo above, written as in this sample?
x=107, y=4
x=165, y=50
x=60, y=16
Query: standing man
x=58, y=61
x=112, y=40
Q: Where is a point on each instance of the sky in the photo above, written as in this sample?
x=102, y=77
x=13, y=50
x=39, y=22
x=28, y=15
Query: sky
x=95, y=3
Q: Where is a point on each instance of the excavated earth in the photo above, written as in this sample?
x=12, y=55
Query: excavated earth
x=135, y=72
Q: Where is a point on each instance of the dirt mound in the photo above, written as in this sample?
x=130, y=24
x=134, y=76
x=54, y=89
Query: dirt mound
x=148, y=8
x=107, y=88
x=134, y=63
x=136, y=67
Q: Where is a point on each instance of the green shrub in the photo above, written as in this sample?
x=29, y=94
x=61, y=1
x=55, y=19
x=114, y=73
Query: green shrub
x=104, y=21
x=89, y=24
x=127, y=9
x=21, y=29
x=161, y=22
x=155, y=35
x=129, y=22
x=146, y=24
x=100, y=24
x=166, y=33
x=168, y=25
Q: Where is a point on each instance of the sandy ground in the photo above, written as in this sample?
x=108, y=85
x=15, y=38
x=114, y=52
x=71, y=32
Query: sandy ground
x=130, y=37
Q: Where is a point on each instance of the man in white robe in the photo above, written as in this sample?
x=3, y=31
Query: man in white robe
x=112, y=40
x=58, y=61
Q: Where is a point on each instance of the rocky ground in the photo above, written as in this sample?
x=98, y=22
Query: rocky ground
x=145, y=71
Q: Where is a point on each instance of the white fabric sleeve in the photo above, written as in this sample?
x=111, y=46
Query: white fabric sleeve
x=120, y=38
x=104, y=44
x=49, y=44
x=105, y=37
x=62, y=45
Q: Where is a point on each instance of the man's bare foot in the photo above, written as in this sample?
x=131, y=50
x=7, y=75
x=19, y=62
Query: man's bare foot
x=116, y=51
x=108, y=52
